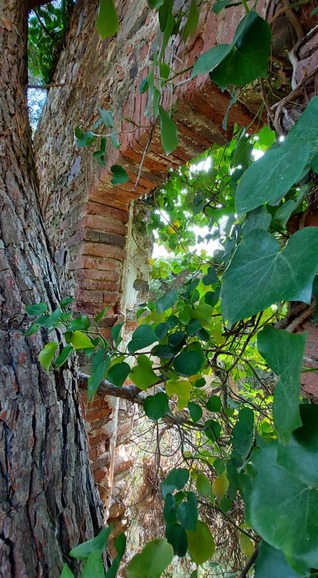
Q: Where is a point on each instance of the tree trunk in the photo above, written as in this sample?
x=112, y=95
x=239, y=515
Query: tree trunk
x=48, y=502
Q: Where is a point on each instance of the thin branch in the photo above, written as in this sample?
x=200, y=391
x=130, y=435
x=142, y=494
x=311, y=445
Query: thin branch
x=44, y=86
x=249, y=564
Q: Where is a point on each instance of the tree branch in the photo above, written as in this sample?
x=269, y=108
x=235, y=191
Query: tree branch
x=32, y=4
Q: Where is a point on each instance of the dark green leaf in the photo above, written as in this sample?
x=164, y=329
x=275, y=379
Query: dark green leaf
x=283, y=509
x=190, y=361
x=31, y=330
x=177, y=537
x=120, y=545
x=50, y=320
x=46, y=355
x=98, y=544
x=221, y=4
x=188, y=512
x=167, y=301
x=214, y=403
x=98, y=372
x=164, y=70
x=243, y=436
x=257, y=219
x=272, y=562
x=63, y=355
x=192, y=21
x=66, y=572
x=260, y=274
x=36, y=309
x=168, y=131
x=94, y=567
x=107, y=20
x=284, y=353
x=195, y=411
x=120, y=176
x=118, y=373
x=115, y=333
x=152, y=561
x=263, y=182
x=212, y=430
x=143, y=336
x=200, y=543
x=175, y=480
x=155, y=4
x=156, y=406
x=170, y=510
x=249, y=55
x=210, y=59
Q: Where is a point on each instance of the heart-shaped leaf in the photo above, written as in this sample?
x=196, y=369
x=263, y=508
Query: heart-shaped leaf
x=107, y=20
x=152, y=561
x=261, y=274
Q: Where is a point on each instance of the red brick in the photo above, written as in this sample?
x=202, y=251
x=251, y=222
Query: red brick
x=90, y=285
x=99, y=275
x=106, y=210
x=104, y=223
x=97, y=263
x=101, y=250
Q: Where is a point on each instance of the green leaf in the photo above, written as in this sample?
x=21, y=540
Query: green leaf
x=164, y=70
x=50, y=321
x=200, y=543
x=143, y=336
x=257, y=219
x=143, y=374
x=212, y=430
x=155, y=4
x=80, y=340
x=31, y=330
x=168, y=131
x=120, y=176
x=107, y=117
x=214, y=403
x=66, y=572
x=94, y=567
x=36, y=309
x=152, y=561
x=46, y=355
x=167, y=301
x=63, y=355
x=269, y=178
x=272, y=562
x=188, y=512
x=284, y=353
x=283, y=509
x=175, y=480
x=80, y=322
x=118, y=373
x=156, y=406
x=210, y=59
x=195, y=411
x=170, y=510
x=107, y=20
x=192, y=21
x=243, y=436
x=101, y=314
x=203, y=485
x=98, y=372
x=260, y=274
x=304, y=131
x=177, y=537
x=67, y=301
x=98, y=544
x=249, y=55
x=115, y=333
x=114, y=140
x=120, y=545
x=190, y=361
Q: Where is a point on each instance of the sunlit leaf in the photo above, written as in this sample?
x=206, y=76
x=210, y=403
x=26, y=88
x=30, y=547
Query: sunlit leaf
x=47, y=354
x=143, y=374
x=201, y=544
x=152, y=561
x=80, y=340
x=94, y=566
x=107, y=20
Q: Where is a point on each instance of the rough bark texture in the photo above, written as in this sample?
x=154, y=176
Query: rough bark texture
x=48, y=502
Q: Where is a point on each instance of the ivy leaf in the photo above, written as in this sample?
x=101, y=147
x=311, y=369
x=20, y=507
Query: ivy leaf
x=152, y=561
x=80, y=340
x=107, y=20
x=167, y=301
x=63, y=355
x=195, y=411
x=107, y=117
x=66, y=572
x=118, y=373
x=190, y=361
x=46, y=355
x=98, y=544
x=143, y=336
x=210, y=59
x=203, y=485
x=175, y=480
x=272, y=562
x=188, y=512
x=94, y=566
x=98, y=372
x=81, y=322
x=192, y=21
x=177, y=537
x=243, y=436
x=284, y=353
x=36, y=309
x=200, y=543
x=120, y=545
x=143, y=374
x=282, y=508
x=249, y=55
x=260, y=274
x=269, y=178
x=156, y=406
x=115, y=333
x=168, y=130
x=120, y=176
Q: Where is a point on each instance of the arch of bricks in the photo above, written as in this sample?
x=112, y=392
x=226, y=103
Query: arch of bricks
x=88, y=220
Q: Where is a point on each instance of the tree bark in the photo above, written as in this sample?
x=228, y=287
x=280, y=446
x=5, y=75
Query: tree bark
x=48, y=502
